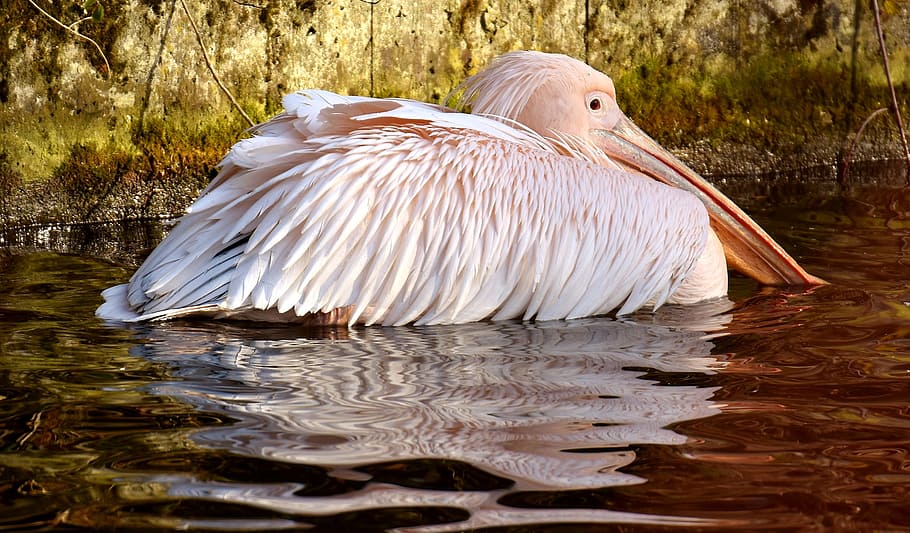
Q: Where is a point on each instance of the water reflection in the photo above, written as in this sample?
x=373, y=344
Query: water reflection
x=547, y=406
x=216, y=426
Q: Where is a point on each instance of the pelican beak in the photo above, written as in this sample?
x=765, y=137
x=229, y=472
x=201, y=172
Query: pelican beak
x=748, y=248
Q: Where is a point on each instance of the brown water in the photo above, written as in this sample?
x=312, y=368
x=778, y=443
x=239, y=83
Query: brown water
x=781, y=409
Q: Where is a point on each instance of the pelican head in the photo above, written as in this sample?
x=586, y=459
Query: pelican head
x=554, y=94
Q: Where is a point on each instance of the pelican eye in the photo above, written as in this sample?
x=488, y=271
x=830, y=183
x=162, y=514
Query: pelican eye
x=595, y=104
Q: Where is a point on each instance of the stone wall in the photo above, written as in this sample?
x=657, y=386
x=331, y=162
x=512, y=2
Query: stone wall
x=135, y=128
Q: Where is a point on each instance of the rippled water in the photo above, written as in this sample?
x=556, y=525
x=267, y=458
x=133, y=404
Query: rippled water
x=779, y=409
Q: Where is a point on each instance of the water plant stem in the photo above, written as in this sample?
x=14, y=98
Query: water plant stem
x=843, y=174
x=897, y=111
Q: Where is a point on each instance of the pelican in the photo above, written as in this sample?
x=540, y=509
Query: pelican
x=545, y=202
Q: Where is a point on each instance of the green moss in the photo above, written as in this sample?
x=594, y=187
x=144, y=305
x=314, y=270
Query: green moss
x=97, y=184
x=752, y=77
x=89, y=176
x=10, y=181
x=61, y=109
x=143, y=171
x=774, y=100
x=191, y=132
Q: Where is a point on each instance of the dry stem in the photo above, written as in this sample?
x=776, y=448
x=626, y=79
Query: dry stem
x=208, y=63
x=76, y=33
x=897, y=111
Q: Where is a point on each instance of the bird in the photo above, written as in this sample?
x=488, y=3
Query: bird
x=544, y=202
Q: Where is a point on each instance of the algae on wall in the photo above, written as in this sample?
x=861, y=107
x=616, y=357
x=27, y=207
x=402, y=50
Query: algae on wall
x=142, y=138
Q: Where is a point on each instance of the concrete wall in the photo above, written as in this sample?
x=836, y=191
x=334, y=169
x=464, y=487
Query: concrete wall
x=144, y=131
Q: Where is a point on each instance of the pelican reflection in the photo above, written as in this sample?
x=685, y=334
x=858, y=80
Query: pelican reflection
x=548, y=406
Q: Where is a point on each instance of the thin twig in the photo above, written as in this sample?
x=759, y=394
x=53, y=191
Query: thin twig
x=208, y=63
x=76, y=33
x=78, y=22
x=247, y=4
x=859, y=133
x=146, y=98
x=897, y=111
x=371, y=3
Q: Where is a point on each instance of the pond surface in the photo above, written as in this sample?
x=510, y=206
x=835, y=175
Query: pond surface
x=778, y=409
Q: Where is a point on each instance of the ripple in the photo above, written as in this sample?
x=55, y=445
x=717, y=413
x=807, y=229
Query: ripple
x=784, y=410
x=481, y=407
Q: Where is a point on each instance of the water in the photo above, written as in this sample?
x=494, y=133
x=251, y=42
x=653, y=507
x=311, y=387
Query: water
x=780, y=409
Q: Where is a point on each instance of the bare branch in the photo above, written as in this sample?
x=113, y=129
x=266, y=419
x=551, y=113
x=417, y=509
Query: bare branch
x=76, y=33
x=78, y=22
x=247, y=4
x=897, y=111
x=208, y=63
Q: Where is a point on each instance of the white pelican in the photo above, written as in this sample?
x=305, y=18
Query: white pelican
x=345, y=210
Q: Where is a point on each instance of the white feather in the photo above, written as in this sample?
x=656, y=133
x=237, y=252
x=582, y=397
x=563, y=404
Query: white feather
x=403, y=212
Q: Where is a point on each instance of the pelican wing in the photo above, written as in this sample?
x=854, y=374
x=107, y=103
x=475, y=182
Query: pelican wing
x=402, y=212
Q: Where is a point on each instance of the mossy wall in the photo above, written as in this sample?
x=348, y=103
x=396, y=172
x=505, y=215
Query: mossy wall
x=136, y=128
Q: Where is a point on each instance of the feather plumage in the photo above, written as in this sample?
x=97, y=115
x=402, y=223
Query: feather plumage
x=393, y=211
